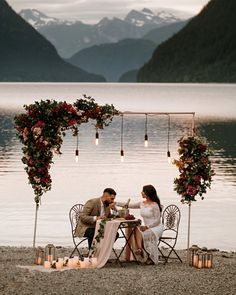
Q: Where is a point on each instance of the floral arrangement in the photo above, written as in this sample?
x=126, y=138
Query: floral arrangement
x=42, y=127
x=195, y=169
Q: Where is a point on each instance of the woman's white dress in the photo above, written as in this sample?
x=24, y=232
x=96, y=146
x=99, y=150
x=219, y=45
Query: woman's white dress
x=151, y=215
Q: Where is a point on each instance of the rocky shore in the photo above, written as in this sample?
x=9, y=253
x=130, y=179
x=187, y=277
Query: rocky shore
x=172, y=278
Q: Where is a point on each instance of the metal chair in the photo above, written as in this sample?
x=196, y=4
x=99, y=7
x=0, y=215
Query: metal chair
x=170, y=219
x=74, y=219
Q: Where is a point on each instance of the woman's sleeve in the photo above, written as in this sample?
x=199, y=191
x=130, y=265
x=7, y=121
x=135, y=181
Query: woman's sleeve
x=131, y=205
x=157, y=217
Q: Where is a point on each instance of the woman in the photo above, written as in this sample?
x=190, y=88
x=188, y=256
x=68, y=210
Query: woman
x=147, y=235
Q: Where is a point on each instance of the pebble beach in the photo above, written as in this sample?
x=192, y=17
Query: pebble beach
x=130, y=278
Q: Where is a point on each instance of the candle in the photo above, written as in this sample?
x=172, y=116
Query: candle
x=71, y=263
x=47, y=264
x=39, y=262
x=94, y=262
x=209, y=264
x=87, y=262
x=199, y=265
x=195, y=260
x=59, y=265
x=209, y=261
x=82, y=264
x=50, y=257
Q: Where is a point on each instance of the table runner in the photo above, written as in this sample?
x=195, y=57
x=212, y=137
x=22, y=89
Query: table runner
x=104, y=247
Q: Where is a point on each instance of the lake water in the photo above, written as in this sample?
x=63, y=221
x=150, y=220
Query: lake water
x=213, y=219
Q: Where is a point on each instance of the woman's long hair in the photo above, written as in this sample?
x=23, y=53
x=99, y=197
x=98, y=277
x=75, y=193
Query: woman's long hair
x=151, y=192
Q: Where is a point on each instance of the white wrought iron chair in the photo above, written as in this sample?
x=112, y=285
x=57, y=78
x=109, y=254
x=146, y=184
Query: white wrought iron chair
x=170, y=219
x=74, y=219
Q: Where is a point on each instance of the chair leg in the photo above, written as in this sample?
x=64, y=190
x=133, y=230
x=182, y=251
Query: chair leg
x=171, y=250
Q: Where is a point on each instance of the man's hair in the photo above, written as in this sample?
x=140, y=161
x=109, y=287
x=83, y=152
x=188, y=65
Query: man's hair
x=110, y=191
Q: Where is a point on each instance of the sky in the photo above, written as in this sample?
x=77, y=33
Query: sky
x=91, y=11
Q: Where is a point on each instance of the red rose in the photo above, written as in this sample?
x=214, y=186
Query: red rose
x=72, y=122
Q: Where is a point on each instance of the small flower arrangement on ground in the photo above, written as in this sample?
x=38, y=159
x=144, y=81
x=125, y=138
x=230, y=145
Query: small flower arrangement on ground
x=195, y=168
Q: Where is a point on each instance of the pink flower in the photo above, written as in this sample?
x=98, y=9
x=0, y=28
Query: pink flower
x=197, y=178
x=191, y=190
x=79, y=113
x=37, y=131
x=25, y=134
x=36, y=179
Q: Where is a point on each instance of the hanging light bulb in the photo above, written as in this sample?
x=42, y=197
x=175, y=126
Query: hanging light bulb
x=146, y=136
x=168, y=141
x=122, y=156
x=146, y=140
x=96, y=137
x=168, y=157
x=121, y=139
x=77, y=145
x=76, y=156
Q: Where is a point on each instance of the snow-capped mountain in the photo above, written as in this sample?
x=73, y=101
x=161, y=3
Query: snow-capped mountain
x=160, y=18
x=70, y=37
x=38, y=19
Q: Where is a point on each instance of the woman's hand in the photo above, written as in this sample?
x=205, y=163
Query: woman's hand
x=143, y=227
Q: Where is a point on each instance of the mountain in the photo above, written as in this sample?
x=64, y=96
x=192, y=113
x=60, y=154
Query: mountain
x=38, y=19
x=203, y=51
x=129, y=77
x=162, y=34
x=113, y=59
x=25, y=55
x=148, y=17
x=71, y=37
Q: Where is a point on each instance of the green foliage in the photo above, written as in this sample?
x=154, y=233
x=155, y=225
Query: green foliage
x=42, y=127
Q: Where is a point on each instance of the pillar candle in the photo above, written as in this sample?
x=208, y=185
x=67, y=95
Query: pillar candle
x=47, y=264
x=71, y=263
x=195, y=260
x=94, y=262
x=59, y=265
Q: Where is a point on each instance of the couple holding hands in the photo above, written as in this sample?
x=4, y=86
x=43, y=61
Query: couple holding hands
x=146, y=236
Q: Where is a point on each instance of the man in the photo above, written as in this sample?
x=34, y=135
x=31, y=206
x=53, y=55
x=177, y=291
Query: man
x=94, y=209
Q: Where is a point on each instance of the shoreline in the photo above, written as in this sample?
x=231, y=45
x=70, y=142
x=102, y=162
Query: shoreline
x=172, y=278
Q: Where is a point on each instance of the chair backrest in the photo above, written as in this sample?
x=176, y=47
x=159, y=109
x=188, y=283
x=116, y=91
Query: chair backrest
x=170, y=219
x=74, y=216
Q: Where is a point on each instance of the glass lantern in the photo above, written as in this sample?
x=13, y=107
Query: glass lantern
x=39, y=256
x=209, y=260
x=50, y=253
x=201, y=260
x=193, y=260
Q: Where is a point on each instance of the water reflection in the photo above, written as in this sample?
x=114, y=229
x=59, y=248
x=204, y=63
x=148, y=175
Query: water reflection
x=221, y=136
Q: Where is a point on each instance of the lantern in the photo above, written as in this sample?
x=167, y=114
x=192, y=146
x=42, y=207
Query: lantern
x=193, y=256
x=50, y=253
x=201, y=258
x=39, y=256
x=209, y=260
